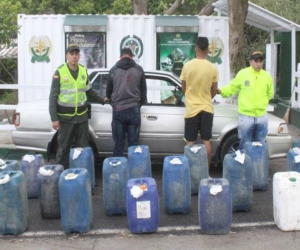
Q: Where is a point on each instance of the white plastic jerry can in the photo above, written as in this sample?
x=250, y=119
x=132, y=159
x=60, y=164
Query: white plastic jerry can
x=286, y=200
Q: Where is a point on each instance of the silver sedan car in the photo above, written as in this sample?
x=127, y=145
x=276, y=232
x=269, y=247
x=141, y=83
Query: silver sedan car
x=162, y=122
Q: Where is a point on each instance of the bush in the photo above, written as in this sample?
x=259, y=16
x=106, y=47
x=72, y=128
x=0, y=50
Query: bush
x=9, y=97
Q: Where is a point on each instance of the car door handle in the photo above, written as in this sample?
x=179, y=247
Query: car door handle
x=151, y=117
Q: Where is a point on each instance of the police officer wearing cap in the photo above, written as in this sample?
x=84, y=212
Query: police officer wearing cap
x=68, y=104
x=254, y=87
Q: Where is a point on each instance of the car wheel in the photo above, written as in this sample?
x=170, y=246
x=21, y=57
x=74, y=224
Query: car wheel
x=230, y=145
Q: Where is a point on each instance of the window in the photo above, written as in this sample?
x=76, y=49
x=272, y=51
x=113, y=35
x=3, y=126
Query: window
x=99, y=83
x=163, y=91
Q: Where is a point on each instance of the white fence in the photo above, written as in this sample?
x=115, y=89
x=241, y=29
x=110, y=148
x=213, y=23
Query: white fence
x=18, y=87
x=296, y=89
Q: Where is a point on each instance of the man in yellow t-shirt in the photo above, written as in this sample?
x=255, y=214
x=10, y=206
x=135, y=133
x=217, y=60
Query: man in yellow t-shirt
x=199, y=79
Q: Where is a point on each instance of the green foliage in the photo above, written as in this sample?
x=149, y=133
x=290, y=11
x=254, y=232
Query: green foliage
x=120, y=7
x=7, y=65
x=8, y=20
x=9, y=97
x=190, y=7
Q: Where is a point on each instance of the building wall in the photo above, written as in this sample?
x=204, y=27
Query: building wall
x=42, y=41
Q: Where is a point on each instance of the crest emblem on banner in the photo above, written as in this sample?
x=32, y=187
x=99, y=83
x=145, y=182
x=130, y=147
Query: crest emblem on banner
x=216, y=50
x=135, y=44
x=40, y=48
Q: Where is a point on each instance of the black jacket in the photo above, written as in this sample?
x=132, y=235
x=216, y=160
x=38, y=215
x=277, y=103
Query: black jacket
x=126, y=85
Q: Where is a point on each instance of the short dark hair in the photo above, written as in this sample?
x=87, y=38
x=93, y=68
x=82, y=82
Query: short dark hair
x=126, y=51
x=202, y=43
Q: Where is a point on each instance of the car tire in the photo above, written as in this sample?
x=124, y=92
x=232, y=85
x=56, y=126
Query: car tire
x=230, y=145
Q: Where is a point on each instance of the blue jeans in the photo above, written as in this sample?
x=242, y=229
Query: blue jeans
x=252, y=129
x=126, y=122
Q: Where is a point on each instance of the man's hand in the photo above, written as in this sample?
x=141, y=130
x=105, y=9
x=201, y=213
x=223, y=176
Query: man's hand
x=56, y=125
x=106, y=100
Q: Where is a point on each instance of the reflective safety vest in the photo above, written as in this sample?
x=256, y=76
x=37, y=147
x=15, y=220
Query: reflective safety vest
x=72, y=92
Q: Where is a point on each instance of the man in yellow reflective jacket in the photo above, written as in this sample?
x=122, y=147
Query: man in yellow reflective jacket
x=70, y=92
x=254, y=87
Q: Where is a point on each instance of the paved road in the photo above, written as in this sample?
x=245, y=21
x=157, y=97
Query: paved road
x=177, y=230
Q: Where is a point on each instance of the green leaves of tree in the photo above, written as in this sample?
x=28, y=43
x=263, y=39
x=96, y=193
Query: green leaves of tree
x=8, y=20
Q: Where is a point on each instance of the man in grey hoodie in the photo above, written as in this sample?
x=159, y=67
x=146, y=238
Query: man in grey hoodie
x=127, y=92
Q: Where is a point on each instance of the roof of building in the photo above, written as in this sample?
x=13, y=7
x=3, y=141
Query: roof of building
x=261, y=18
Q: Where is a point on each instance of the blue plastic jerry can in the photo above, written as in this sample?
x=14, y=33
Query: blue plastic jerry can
x=139, y=162
x=176, y=185
x=75, y=199
x=214, y=206
x=115, y=177
x=13, y=203
x=142, y=205
x=48, y=177
x=237, y=169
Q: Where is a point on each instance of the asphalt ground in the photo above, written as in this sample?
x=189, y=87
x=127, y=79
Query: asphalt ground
x=260, y=215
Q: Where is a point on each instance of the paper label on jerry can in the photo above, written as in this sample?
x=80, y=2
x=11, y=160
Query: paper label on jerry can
x=143, y=210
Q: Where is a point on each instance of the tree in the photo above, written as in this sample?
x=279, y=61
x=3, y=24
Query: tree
x=8, y=20
x=174, y=7
x=8, y=30
x=139, y=7
x=237, y=13
x=208, y=8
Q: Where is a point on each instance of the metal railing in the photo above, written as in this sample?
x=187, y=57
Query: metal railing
x=18, y=87
x=295, y=103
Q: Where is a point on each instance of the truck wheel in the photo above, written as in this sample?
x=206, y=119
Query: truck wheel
x=230, y=145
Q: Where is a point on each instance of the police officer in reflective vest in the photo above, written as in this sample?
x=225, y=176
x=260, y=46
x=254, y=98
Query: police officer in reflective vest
x=68, y=104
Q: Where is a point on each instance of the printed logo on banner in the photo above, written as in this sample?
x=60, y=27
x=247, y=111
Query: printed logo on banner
x=40, y=48
x=135, y=44
x=216, y=48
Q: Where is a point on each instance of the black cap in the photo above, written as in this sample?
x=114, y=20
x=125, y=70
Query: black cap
x=257, y=55
x=73, y=46
x=126, y=51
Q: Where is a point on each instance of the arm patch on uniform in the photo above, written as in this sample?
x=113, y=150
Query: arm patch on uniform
x=55, y=77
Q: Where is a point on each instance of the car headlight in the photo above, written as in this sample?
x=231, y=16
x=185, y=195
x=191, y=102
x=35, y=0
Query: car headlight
x=283, y=129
